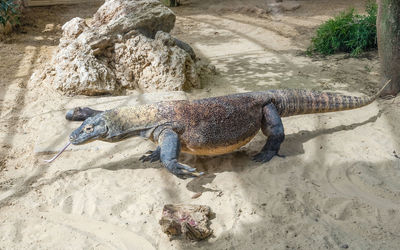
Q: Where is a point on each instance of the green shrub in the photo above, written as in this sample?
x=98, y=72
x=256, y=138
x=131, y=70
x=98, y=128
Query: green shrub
x=347, y=32
x=9, y=12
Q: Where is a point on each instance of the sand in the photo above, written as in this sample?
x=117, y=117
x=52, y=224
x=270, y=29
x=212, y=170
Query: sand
x=337, y=188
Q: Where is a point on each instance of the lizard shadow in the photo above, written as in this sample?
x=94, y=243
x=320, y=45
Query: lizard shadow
x=293, y=144
x=239, y=161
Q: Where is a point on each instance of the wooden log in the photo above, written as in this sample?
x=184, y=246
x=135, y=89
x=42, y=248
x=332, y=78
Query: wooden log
x=388, y=28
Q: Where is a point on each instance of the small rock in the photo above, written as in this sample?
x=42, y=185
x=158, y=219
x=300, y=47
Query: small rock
x=191, y=221
x=196, y=195
x=290, y=6
x=283, y=6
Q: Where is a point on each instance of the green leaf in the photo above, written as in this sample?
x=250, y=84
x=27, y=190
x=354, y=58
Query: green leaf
x=9, y=12
x=347, y=32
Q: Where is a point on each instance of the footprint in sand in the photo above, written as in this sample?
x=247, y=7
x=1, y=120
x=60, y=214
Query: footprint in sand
x=365, y=183
x=67, y=205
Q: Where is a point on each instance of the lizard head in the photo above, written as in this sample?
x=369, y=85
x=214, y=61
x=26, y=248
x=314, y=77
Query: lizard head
x=93, y=128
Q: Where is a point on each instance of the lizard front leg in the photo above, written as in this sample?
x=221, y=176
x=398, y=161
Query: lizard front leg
x=272, y=127
x=170, y=148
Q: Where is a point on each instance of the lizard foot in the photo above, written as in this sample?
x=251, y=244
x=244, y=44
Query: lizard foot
x=182, y=171
x=151, y=156
x=265, y=156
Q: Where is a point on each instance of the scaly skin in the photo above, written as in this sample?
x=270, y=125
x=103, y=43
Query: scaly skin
x=210, y=126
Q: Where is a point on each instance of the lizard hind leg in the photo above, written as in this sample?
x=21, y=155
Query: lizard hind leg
x=272, y=127
x=81, y=113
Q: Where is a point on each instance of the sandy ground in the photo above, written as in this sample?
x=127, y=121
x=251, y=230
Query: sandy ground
x=338, y=186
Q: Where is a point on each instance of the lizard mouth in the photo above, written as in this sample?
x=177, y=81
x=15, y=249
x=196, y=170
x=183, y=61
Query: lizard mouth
x=78, y=137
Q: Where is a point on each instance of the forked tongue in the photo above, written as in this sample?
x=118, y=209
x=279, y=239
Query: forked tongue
x=57, y=155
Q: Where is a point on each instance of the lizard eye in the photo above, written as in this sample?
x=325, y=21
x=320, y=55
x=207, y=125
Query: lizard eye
x=88, y=128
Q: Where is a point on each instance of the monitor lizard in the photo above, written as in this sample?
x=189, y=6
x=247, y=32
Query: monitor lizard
x=210, y=126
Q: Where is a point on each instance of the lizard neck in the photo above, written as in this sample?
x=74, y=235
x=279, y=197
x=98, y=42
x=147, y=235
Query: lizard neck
x=126, y=122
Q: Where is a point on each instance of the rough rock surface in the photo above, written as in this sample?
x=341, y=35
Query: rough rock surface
x=122, y=16
x=152, y=64
x=284, y=6
x=263, y=10
x=191, y=221
x=126, y=46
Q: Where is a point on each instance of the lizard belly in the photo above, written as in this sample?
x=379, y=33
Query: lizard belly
x=215, y=150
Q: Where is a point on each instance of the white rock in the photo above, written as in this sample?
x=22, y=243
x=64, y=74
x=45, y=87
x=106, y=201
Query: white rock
x=125, y=47
x=73, y=28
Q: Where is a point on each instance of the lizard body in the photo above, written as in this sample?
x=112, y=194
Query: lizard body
x=209, y=126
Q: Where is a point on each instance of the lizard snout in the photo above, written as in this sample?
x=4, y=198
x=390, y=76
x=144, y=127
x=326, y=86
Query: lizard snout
x=72, y=138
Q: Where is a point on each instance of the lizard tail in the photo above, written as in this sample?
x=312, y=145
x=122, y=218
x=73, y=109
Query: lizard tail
x=296, y=102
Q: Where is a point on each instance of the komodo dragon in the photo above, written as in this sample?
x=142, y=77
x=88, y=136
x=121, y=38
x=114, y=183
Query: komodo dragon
x=210, y=126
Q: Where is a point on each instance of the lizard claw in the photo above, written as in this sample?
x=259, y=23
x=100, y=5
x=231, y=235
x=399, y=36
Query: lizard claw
x=183, y=171
x=195, y=174
x=265, y=156
x=186, y=167
x=151, y=156
x=281, y=156
x=191, y=174
x=186, y=171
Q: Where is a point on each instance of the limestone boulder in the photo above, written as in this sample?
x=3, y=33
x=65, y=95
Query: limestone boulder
x=122, y=16
x=126, y=46
x=152, y=64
